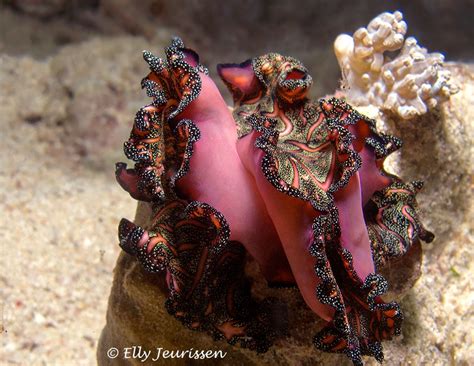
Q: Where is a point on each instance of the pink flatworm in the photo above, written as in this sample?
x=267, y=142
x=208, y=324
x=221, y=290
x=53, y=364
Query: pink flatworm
x=297, y=184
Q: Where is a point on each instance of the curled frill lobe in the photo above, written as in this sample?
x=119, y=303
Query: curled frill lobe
x=325, y=162
x=393, y=223
x=207, y=290
x=298, y=184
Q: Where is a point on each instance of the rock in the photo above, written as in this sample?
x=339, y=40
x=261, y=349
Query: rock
x=438, y=150
x=42, y=9
x=101, y=99
x=87, y=90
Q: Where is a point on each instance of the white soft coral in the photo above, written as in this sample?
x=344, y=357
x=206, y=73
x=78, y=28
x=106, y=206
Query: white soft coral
x=407, y=85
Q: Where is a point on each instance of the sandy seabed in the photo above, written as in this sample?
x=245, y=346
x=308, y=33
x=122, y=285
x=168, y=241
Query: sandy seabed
x=59, y=246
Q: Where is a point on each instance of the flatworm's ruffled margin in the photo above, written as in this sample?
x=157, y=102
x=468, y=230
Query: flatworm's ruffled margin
x=204, y=272
x=392, y=222
x=187, y=133
x=362, y=320
x=174, y=83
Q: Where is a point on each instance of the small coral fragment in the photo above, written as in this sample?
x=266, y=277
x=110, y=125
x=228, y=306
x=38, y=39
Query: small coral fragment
x=408, y=85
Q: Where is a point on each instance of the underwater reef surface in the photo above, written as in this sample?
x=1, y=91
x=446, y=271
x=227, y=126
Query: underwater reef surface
x=62, y=207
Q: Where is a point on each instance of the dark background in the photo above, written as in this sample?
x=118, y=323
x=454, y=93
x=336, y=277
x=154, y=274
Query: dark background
x=231, y=31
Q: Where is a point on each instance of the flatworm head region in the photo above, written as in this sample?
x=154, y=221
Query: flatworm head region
x=299, y=185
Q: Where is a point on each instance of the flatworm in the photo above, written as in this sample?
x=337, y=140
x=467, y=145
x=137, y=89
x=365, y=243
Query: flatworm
x=298, y=185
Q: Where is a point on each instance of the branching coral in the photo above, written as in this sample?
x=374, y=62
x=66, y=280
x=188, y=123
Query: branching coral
x=408, y=85
x=297, y=184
